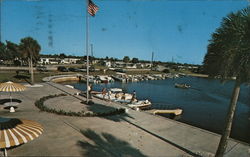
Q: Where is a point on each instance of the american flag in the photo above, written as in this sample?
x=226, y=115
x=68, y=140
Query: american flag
x=92, y=8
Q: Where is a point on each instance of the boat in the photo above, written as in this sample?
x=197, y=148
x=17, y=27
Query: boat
x=142, y=104
x=105, y=79
x=184, y=86
x=116, y=95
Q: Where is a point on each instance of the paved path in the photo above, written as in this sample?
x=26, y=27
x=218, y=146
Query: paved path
x=130, y=134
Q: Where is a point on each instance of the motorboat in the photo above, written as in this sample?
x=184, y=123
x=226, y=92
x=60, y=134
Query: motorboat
x=184, y=86
x=142, y=104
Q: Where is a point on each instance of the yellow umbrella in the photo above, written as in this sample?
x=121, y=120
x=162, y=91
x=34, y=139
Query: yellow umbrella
x=14, y=132
x=11, y=87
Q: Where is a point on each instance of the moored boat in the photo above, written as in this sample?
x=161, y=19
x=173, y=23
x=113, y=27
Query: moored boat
x=184, y=86
x=142, y=104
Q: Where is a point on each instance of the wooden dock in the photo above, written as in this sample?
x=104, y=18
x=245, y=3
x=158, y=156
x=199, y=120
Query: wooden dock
x=175, y=111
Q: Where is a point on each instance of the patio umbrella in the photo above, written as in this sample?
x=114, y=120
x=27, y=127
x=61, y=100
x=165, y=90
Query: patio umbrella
x=11, y=87
x=14, y=132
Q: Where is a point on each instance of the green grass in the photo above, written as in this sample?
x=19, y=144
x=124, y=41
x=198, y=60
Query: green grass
x=25, y=77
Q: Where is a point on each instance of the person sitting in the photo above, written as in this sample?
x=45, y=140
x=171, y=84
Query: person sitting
x=133, y=99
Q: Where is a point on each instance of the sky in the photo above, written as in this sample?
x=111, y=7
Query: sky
x=175, y=30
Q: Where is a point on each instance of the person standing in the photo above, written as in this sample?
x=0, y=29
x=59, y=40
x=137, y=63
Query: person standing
x=90, y=90
x=104, y=92
x=109, y=94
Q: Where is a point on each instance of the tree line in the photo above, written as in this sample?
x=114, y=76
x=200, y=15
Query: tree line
x=23, y=53
x=26, y=51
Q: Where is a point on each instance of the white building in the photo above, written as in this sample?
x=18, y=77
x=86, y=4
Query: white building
x=107, y=64
x=69, y=60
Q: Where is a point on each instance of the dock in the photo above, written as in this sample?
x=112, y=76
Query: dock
x=174, y=111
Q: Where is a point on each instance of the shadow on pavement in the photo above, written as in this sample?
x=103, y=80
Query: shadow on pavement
x=99, y=108
x=106, y=145
x=2, y=101
x=118, y=117
x=23, y=77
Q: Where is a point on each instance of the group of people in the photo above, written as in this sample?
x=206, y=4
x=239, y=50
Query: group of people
x=117, y=95
x=105, y=92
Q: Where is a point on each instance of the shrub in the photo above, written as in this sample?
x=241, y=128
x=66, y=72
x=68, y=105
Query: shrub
x=40, y=104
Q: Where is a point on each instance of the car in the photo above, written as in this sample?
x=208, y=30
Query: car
x=121, y=70
x=62, y=69
x=41, y=68
x=74, y=69
x=91, y=68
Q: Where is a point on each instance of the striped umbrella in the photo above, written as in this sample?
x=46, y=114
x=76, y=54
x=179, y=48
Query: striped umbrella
x=14, y=132
x=11, y=87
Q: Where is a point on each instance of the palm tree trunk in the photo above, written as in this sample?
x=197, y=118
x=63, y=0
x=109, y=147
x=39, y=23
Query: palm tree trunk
x=31, y=71
x=29, y=65
x=229, y=120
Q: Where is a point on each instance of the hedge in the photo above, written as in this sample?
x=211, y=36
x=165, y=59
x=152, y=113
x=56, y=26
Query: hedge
x=40, y=104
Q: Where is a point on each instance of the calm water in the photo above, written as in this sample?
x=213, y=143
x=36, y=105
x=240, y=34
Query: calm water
x=204, y=105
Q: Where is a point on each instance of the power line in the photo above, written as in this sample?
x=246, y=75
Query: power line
x=134, y=0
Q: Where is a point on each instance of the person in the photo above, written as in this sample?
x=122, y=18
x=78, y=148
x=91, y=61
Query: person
x=109, y=94
x=123, y=96
x=90, y=90
x=133, y=97
x=104, y=92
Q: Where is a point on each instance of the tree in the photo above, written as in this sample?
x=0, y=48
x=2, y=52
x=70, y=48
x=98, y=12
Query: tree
x=126, y=59
x=135, y=60
x=3, y=51
x=30, y=48
x=12, y=51
x=228, y=55
x=62, y=56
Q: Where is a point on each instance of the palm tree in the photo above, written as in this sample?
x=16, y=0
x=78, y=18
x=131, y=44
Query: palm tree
x=228, y=55
x=30, y=48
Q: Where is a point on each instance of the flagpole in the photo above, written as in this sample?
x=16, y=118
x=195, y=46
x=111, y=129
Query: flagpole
x=87, y=48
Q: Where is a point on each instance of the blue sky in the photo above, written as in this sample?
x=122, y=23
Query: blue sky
x=172, y=29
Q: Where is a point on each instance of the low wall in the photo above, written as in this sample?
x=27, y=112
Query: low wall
x=63, y=79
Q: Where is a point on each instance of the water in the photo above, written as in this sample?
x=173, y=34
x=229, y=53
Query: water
x=204, y=105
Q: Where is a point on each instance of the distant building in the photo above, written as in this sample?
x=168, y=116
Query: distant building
x=46, y=61
x=69, y=60
x=159, y=68
x=107, y=64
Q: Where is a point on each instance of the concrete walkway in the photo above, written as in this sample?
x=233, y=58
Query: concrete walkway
x=130, y=134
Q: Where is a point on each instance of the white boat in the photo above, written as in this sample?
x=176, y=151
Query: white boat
x=115, y=90
x=142, y=104
x=116, y=95
x=105, y=79
x=69, y=86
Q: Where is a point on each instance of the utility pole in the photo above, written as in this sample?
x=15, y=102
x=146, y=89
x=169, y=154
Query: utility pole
x=1, y=20
x=92, y=50
x=152, y=60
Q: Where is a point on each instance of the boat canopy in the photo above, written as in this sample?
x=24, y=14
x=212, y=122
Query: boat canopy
x=115, y=89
